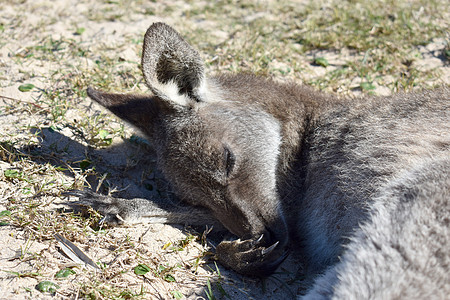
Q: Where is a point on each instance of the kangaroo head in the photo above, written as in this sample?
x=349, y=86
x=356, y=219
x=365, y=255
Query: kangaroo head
x=217, y=151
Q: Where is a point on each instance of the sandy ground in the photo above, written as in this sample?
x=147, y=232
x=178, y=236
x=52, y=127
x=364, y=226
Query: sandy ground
x=33, y=22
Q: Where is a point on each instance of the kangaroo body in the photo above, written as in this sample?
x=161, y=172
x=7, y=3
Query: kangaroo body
x=359, y=187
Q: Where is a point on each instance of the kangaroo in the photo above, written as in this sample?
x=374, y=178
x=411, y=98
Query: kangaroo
x=360, y=188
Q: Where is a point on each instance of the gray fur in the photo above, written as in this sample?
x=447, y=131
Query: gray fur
x=402, y=253
x=358, y=187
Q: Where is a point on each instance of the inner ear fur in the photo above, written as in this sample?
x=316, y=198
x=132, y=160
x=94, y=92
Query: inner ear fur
x=172, y=69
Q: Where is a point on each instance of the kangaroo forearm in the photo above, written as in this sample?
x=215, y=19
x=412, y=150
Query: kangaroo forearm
x=151, y=212
x=137, y=210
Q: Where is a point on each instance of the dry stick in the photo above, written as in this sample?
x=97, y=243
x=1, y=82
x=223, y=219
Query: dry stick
x=23, y=101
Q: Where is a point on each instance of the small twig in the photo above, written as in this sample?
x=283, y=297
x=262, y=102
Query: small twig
x=23, y=101
x=230, y=37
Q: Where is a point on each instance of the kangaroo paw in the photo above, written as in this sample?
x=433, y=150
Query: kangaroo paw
x=114, y=210
x=251, y=257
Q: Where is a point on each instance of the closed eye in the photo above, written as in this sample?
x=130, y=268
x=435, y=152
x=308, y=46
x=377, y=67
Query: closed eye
x=230, y=160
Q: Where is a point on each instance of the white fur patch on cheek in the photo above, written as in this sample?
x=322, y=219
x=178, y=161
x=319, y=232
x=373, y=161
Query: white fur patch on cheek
x=171, y=92
x=263, y=133
x=272, y=146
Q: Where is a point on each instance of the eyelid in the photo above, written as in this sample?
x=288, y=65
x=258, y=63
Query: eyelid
x=230, y=160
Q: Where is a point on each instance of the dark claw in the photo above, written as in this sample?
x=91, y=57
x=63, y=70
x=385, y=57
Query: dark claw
x=266, y=251
x=259, y=239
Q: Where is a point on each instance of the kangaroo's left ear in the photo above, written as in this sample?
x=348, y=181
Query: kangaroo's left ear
x=172, y=68
x=142, y=111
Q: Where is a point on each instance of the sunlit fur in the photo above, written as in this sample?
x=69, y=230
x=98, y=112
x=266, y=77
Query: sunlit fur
x=358, y=187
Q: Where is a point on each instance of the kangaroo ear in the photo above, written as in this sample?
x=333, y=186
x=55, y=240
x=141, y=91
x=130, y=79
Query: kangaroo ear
x=142, y=111
x=172, y=68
